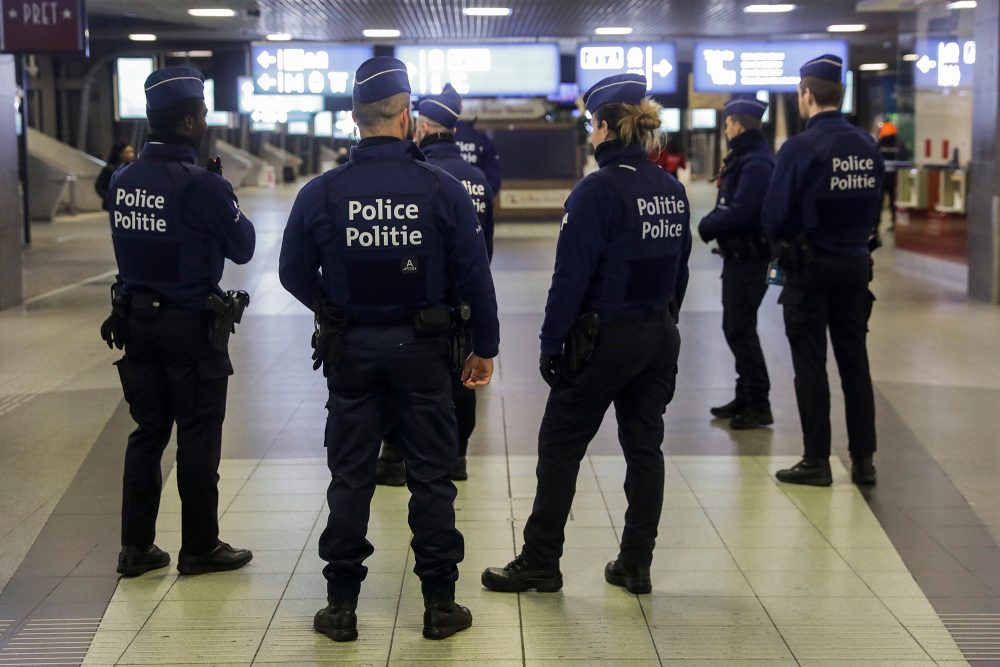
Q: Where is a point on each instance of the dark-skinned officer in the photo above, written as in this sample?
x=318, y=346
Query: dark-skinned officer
x=435, y=134
x=377, y=246
x=609, y=337
x=173, y=225
x=735, y=225
x=820, y=211
x=479, y=151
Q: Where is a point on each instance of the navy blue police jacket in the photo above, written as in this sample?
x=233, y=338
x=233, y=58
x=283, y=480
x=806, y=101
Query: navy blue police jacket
x=479, y=151
x=385, y=235
x=623, y=246
x=827, y=183
x=743, y=183
x=445, y=153
x=174, y=224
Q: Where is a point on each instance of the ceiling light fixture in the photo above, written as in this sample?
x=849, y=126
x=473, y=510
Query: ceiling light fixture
x=190, y=54
x=142, y=37
x=910, y=58
x=768, y=9
x=847, y=27
x=380, y=32
x=613, y=31
x=486, y=11
x=213, y=13
x=873, y=67
x=962, y=4
x=278, y=37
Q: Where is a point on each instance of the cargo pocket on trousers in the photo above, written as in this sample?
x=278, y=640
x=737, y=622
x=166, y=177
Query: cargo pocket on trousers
x=868, y=312
x=792, y=295
x=130, y=377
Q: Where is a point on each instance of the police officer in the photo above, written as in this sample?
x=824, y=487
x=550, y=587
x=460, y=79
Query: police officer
x=173, y=225
x=380, y=243
x=479, y=151
x=435, y=134
x=821, y=210
x=735, y=224
x=609, y=337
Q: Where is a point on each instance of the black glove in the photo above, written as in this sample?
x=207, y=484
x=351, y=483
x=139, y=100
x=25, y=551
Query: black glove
x=215, y=165
x=114, y=331
x=320, y=345
x=552, y=369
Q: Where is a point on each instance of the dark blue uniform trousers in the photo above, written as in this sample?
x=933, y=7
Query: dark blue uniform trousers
x=170, y=373
x=743, y=287
x=634, y=367
x=831, y=293
x=389, y=375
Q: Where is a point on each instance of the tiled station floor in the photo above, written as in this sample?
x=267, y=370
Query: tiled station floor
x=746, y=570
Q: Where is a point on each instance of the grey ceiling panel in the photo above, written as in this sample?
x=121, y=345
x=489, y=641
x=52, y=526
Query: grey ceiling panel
x=343, y=20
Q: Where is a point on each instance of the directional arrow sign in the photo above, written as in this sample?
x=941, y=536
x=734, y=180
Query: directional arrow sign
x=925, y=64
x=266, y=59
x=663, y=68
x=266, y=81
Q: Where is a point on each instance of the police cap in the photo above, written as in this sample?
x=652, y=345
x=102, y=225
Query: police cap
x=746, y=105
x=379, y=78
x=170, y=85
x=444, y=108
x=624, y=88
x=827, y=66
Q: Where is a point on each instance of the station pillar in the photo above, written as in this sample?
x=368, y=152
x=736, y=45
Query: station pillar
x=984, y=190
x=11, y=219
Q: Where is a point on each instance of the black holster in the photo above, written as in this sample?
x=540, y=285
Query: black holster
x=227, y=312
x=581, y=342
x=745, y=247
x=114, y=330
x=795, y=255
x=328, y=336
x=460, y=343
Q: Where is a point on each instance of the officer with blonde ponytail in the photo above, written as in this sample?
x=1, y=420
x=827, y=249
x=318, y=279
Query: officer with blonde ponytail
x=609, y=337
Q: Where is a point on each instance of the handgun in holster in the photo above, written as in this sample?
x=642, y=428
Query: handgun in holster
x=795, y=255
x=460, y=337
x=114, y=330
x=328, y=336
x=227, y=312
x=581, y=342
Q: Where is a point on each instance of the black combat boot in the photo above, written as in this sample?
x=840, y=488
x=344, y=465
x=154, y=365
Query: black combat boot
x=752, y=417
x=133, y=561
x=460, y=472
x=863, y=471
x=518, y=576
x=633, y=578
x=812, y=472
x=443, y=618
x=729, y=410
x=390, y=469
x=338, y=620
x=220, y=559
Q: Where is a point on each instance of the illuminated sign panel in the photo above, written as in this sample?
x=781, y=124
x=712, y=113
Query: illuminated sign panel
x=517, y=70
x=746, y=67
x=944, y=63
x=306, y=68
x=43, y=26
x=656, y=61
x=130, y=88
x=323, y=124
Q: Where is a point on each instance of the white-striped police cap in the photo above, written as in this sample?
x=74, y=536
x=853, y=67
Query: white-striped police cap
x=827, y=66
x=379, y=78
x=170, y=85
x=746, y=105
x=624, y=88
x=443, y=108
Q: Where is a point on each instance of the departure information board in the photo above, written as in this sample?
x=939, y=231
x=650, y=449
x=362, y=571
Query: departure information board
x=746, y=67
x=495, y=70
x=656, y=61
x=307, y=68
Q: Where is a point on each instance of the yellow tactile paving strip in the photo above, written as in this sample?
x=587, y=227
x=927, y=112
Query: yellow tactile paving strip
x=746, y=572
